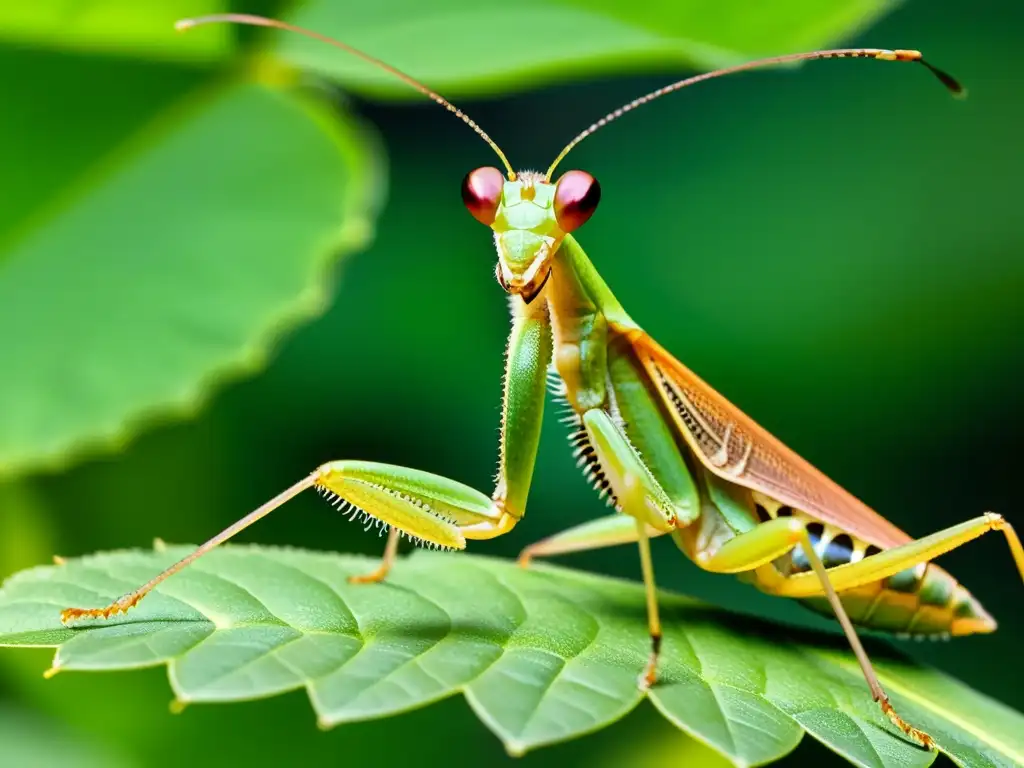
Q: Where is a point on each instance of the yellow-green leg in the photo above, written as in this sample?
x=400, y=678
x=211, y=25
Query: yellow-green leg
x=766, y=542
x=526, y=365
x=650, y=674
x=646, y=511
x=893, y=561
x=641, y=497
x=434, y=509
x=382, y=570
x=609, y=531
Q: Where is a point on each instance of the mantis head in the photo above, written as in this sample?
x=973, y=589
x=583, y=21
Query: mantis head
x=529, y=216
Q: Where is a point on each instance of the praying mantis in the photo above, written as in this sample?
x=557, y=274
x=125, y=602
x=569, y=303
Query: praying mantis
x=668, y=452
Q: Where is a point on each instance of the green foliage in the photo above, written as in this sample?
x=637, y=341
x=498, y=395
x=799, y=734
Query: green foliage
x=480, y=46
x=542, y=655
x=837, y=249
x=208, y=205
x=165, y=250
x=114, y=26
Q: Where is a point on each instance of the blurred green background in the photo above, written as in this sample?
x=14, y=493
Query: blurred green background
x=836, y=248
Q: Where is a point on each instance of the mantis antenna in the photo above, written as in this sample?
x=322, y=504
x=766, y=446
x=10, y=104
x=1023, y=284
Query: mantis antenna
x=855, y=53
x=261, y=21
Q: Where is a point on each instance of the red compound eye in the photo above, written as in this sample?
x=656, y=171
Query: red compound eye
x=577, y=194
x=481, y=192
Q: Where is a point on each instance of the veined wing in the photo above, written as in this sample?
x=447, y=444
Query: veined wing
x=734, y=447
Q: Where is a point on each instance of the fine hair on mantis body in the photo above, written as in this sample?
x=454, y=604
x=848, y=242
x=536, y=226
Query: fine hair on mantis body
x=665, y=450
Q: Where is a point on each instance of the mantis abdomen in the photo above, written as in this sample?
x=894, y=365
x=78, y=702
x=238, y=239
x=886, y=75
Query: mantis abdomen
x=921, y=601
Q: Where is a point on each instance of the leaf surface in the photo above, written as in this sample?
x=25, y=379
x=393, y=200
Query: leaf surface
x=150, y=250
x=478, y=46
x=541, y=655
x=142, y=29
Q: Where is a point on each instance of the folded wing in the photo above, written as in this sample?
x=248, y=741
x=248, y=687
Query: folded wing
x=733, y=446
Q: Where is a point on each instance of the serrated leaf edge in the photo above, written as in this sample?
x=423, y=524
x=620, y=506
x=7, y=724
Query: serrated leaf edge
x=513, y=746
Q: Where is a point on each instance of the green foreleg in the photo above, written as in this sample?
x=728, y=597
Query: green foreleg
x=529, y=354
x=636, y=491
x=526, y=367
x=421, y=505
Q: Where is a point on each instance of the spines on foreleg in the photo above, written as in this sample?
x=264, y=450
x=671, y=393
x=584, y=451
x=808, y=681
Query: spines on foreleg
x=354, y=512
x=582, y=451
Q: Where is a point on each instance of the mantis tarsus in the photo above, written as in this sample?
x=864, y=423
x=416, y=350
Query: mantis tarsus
x=667, y=451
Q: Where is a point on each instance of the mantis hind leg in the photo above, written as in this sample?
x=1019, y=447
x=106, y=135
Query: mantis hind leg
x=892, y=561
x=768, y=541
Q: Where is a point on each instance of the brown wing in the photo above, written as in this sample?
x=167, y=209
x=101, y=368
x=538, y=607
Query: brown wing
x=733, y=446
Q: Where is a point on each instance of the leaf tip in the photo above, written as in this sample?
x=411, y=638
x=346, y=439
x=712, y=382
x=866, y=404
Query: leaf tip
x=159, y=545
x=52, y=671
x=177, y=706
x=58, y=560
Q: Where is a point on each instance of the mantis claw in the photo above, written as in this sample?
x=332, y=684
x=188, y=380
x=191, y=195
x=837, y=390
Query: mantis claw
x=374, y=577
x=378, y=575
x=650, y=674
x=919, y=736
x=648, y=677
x=121, y=605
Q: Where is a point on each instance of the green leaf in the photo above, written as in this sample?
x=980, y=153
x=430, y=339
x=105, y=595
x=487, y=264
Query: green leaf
x=480, y=46
x=542, y=655
x=115, y=26
x=153, y=249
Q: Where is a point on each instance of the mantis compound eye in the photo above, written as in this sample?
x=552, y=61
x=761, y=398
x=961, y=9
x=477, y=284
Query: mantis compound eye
x=577, y=194
x=481, y=193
